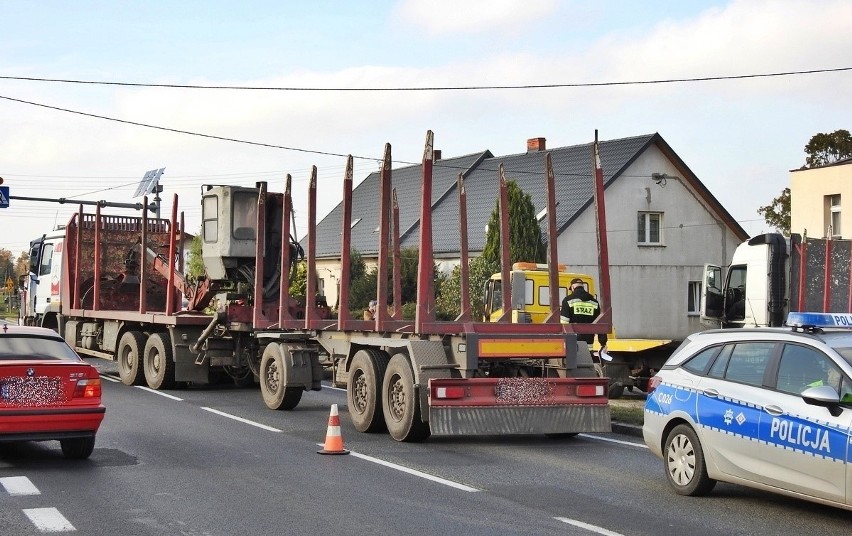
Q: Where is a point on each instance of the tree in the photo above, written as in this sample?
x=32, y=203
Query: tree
x=448, y=302
x=827, y=148
x=22, y=265
x=777, y=213
x=525, y=243
x=822, y=149
x=194, y=262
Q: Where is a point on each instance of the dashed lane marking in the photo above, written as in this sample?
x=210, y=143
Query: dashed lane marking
x=19, y=485
x=154, y=391
x=618, y=441
x=240, y=419
x=591, y=528
x=48, y=520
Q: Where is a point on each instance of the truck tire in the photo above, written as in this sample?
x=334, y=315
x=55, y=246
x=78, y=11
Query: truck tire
x=129, y=356
x=158, y=363
x=401, y=405
x=363, y=390
x=273, y=379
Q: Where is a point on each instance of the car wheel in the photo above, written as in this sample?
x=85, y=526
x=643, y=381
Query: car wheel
x=686, y=469
x=78, y=448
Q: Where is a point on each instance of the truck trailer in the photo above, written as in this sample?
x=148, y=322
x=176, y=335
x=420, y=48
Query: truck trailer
x=123, y=289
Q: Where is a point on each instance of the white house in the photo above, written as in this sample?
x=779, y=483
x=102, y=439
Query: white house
x=663, y=224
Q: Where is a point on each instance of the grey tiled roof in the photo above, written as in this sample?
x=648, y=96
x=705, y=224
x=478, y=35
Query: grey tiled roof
x=574, y=190
x=365, y=205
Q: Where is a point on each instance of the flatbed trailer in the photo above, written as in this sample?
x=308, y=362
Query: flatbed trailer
x=416, y=378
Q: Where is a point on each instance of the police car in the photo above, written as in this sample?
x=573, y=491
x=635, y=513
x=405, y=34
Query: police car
x=769, y=408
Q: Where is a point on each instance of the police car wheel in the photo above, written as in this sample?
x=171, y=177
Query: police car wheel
x=684, y=462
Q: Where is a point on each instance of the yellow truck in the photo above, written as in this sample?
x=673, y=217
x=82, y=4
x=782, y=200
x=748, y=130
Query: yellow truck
x=631, y=361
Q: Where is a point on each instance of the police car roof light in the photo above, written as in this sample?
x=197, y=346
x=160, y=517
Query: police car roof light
x=819, y=320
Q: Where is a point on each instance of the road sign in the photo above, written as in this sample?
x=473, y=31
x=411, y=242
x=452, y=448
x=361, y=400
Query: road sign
x=10, y=285
x=4, y=197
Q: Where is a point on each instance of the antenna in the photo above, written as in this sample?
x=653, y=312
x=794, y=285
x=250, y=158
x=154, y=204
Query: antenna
x=150, y=183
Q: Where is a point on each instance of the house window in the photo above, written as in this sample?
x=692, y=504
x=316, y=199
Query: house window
x=650, y=228
x=833, y=216
x=320, y=286
x=693, y=298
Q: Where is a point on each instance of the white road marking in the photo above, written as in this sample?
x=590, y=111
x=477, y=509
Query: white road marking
x=592, y=528
x=19, y=485
x=48, y=520
x=246, y=421
x=610, y=440
x=110, y=378
x=159, y=393
x=414, y=472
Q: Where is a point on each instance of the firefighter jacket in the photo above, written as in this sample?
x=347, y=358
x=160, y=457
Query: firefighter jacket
x=580, y=307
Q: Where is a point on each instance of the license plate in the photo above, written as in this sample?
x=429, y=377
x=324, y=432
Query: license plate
x=31, y=391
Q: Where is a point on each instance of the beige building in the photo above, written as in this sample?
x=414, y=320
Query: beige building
x=816, y=200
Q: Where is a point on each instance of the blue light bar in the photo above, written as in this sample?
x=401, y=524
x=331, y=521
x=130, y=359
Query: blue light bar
x=820, y=320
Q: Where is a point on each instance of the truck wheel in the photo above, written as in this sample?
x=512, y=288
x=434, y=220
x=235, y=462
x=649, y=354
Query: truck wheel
x=686, y=470
x=158, y=362
x=401, y=403
x=363, y=390
x=129, y=355
x=616, y=391
x=273, y=379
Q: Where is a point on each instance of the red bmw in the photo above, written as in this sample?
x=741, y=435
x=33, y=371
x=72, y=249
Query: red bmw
x=47, y=392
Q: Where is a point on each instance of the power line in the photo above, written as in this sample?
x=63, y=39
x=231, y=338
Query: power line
x=436, y=88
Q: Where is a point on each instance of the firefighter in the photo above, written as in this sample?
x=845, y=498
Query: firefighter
x=580, y=307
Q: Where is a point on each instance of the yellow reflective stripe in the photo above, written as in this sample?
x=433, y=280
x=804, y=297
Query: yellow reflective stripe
x=554, y=347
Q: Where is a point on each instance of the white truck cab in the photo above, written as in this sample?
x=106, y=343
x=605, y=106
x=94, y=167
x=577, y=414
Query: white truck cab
x=42, y=304
x=755, y=290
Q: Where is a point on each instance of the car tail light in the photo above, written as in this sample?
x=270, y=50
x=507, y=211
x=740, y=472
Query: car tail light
x=653, y=383
x=449, y=392
x=90, y=388
x=590, y=390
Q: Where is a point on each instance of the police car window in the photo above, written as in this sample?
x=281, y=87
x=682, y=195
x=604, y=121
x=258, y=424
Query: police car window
x=699, y=362
x=721, y=363
x=802, y=367
x=748, y=362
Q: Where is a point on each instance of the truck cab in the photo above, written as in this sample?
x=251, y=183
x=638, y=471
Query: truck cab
x=42, y=304
x=755, y=289
x=530, y=292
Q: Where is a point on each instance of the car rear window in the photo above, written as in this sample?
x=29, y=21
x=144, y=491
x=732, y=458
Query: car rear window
x=20, y=347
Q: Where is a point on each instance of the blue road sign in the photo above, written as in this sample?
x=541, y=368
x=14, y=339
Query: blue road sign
x=4, y=197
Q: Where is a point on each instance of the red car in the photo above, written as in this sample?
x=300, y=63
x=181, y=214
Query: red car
x=47, y=392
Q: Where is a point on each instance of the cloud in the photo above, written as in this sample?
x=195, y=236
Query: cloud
x=437, y=17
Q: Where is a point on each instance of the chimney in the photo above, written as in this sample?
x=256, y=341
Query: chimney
x=436, y=154
x=535, y=144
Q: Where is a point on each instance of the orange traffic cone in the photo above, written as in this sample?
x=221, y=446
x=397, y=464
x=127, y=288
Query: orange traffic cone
x=333, y=439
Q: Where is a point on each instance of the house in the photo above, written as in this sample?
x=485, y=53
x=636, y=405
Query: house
x=663, y=223
x=815, y=199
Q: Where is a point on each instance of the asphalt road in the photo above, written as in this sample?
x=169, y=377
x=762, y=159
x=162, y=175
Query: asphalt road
x=217, y=462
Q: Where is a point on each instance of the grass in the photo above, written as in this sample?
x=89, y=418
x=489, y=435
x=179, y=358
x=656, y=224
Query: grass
x=627, y=411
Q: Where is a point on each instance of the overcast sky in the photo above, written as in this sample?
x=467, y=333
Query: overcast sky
x=740, y=137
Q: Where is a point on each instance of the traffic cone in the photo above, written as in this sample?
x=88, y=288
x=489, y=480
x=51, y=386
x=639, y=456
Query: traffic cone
x=333, y=439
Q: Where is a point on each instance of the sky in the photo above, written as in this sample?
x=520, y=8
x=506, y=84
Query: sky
x=739, y=136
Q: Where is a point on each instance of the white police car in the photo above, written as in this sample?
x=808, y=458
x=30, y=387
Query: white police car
x=769, y=408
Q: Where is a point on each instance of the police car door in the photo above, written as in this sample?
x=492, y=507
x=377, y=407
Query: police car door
x=806, y=446
x=728, y=409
